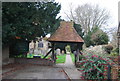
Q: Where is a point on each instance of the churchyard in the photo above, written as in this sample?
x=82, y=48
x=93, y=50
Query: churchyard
x=39, y=45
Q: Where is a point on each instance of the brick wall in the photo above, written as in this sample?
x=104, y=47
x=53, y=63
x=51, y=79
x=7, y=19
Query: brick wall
x=114, y=71
x=34, y=61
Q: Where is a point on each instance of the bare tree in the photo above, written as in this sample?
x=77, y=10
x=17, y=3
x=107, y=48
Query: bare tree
x=70, y=13
x=89, y=16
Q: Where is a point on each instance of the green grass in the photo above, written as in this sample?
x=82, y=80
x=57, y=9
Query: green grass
x=73, y=57
x=61, y=58
x=31, y=56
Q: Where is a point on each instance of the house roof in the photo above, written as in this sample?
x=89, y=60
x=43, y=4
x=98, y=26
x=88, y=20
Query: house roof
x=65, y=33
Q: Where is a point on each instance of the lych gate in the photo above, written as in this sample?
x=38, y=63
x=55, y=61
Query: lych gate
x=65, y=34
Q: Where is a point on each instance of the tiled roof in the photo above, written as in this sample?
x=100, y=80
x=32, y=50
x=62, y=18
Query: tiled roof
x=65, y=33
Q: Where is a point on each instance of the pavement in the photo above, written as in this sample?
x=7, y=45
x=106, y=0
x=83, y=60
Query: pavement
x=36, y=72
x=32, y=71
x=70, y=68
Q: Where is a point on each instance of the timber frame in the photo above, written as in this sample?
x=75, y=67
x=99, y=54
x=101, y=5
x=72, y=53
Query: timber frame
x=77, y=49
x=65, y=34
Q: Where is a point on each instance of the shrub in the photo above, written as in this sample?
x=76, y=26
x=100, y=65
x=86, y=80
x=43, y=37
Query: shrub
x=67, y=48
x=108, y=48
x=93, y=67
x=115, y=50
x=114, y=54
x=81, y=57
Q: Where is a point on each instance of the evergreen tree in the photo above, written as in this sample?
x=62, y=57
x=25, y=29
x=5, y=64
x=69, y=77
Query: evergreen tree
x=27, y=20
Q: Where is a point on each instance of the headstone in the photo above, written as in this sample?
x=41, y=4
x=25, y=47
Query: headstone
x=36, y=45
x=31, y=45
x=36, y=52
x=31, y=51
x=40, y=44
x=63, y=52
x=58, y=51
x=74, y=52
x=40, y=47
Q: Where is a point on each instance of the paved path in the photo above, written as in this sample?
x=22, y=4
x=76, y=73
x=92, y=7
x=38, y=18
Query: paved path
x=58, y=71
x=37, y=72
x=69, y=62
x=70, y=68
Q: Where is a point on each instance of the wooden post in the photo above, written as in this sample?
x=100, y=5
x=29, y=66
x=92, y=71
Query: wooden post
x=53, y=54
x=47, y=54
x=77, y=54
x=55, y=57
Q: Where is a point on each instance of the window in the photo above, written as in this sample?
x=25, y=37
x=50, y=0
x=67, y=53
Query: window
x=40, y=45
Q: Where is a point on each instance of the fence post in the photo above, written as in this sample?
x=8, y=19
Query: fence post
x=109, y=73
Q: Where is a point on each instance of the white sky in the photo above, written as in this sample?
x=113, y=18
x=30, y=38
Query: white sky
x=109, y=5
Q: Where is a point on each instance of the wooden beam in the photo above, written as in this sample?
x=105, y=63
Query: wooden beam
x=55, y=58
x=53, y=54
x=77, y=53
x=47, y=54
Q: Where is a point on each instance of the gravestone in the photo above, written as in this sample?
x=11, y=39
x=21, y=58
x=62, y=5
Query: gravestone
x=63, y=52
x=58, y=51
x=40, y=47
x=36, y=45
x=36, y=52
x=31, y=45
x=40, y=44
x=74, y=52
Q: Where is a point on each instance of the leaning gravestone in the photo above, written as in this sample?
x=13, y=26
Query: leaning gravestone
x=58, y=51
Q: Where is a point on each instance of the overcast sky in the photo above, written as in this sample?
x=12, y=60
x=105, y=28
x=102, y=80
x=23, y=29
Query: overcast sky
x=109, y=5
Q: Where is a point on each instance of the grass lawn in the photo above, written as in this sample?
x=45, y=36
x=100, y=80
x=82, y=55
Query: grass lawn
x=73, y=57
x=61, y=58
x=31, y=56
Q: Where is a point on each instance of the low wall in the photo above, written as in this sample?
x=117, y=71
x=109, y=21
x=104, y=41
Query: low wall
x=34, y=61
x=5, y=56
x=114, y=72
